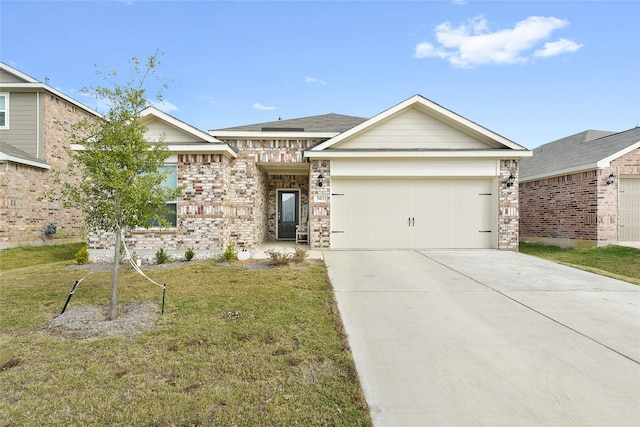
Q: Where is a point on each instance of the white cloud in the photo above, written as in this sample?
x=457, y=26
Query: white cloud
x=474, y=43
x=558, y=48
x=163, y=105
x=207, y=98
x=313, y=80
x=259, y=106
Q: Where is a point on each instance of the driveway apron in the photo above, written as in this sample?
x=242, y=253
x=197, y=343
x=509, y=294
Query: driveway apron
x=458, y=338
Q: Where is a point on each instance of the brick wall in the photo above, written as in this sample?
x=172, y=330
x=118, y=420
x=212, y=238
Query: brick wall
x=320, y=205
x=579, y=209
x=562, y=207
x=24, y=207
x=508, y=209
x=223, y=200
x=608, y=226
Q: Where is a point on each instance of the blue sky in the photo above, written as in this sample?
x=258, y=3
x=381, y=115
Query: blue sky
x=530, y=71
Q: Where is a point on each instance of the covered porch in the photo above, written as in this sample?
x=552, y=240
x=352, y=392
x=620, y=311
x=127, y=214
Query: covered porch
x=287, y=200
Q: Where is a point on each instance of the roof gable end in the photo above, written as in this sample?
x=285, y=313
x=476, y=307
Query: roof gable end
x=179, y=136
x=418, y=123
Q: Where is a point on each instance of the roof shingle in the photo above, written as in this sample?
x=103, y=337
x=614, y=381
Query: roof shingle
x=583, y=149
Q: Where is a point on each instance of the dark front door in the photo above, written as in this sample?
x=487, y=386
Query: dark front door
x=288, y=211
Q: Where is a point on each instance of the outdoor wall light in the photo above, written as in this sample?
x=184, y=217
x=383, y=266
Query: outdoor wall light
x=611, y=179
x=320, y=180
x=511, y=180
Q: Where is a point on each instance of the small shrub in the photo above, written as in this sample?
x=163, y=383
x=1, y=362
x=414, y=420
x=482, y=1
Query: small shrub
x=300, y=254
x=161, y=256
x=82, y=256
x=189, y=254
x=279, y=258
x=230, y=253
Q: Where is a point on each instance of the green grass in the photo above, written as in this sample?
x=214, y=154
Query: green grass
x=26, y=256
x=234, y=347
x=619, y=262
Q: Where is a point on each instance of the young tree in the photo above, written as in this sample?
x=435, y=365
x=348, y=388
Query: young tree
x=116, y=175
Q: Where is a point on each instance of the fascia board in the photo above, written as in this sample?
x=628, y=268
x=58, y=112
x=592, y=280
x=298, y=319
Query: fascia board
x=604, y=163
x=428, y=107
x=9, y=69
x=495, y=154
x=568, y=171
x=204, y=148
x=600, y=164
x=152, y=111
x=7, y=158
x=187, y=148
x=272, y=135
x=36, y=87
x=372, y=121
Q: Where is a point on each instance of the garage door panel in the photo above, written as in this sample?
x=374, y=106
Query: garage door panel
x=388, y=213
x=629, y=209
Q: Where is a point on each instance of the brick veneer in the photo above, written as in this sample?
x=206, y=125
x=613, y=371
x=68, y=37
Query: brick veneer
x=224, y=200
x=508, y=210
x=578, y=209
x=24, y=207
x=320, y=205
x=235, y=201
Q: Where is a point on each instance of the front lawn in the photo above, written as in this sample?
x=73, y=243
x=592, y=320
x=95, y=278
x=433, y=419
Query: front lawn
x=619, y=262
x=236, y=346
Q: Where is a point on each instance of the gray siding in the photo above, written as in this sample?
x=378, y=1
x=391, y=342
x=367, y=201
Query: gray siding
x=23, y=132
x=9, y=78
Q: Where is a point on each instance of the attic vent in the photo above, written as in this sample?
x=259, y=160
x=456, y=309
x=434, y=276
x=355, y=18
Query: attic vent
x=277, y=129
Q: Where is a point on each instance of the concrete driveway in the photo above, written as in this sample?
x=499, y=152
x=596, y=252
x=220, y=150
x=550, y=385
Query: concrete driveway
x=459, y=338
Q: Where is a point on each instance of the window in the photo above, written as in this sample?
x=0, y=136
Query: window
x=4, y=110
x=170, y=214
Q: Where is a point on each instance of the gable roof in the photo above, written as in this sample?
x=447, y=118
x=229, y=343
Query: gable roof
x=487, y=143
x=17, y=81
x=321, y=126
x=184, y=137
x=9, y=153
x=588, y=150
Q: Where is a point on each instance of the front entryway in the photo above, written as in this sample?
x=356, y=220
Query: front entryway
x=288, y=213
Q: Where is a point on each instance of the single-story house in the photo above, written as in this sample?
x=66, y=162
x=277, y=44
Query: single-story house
x=414, y=176
x=582, y=190
x=35, y=128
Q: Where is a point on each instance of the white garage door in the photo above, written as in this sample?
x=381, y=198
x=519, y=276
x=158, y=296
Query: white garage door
x=396, y=213
x=629, y=209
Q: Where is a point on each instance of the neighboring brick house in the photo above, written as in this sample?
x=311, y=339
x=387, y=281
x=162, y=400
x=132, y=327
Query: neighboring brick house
x=35, y=129
x=415, y=176
x=582, y=190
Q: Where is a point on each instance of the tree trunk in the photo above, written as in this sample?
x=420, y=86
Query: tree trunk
x=113, y=305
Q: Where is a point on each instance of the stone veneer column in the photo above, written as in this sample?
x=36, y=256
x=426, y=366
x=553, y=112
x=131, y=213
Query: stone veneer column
x=320, y=205
x=508, y=211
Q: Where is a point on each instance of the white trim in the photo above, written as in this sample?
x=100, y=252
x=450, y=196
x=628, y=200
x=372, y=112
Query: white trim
x=37, y=87
x=272, y=134
x=153, y=111
x=496, y=154
x=17, y=73
x=600, y=164
x=7, y=158
x=430, y=108
x=606, y=162
x=203, y=148
x=7, y=102
x=186, y=148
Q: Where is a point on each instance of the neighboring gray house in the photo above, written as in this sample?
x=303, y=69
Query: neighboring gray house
x=582, y=190
x=35, y=129
x=414, y=176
